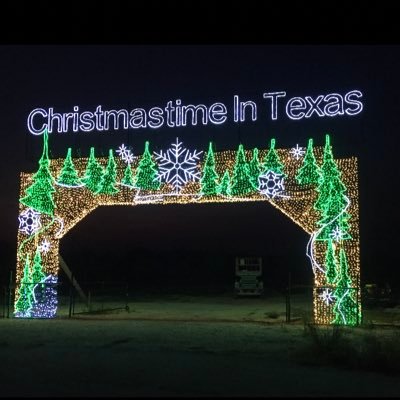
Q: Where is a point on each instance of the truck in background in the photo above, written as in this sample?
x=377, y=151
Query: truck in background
x=248, y=276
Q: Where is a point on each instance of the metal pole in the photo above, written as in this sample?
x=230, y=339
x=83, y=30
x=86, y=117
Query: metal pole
x=70, y=298
x=5, y=301
x=9, y=293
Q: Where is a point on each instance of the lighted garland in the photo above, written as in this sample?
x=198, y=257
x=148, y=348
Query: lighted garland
x=227, y=176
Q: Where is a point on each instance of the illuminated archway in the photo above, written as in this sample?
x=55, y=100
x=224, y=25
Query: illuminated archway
x=64, y=191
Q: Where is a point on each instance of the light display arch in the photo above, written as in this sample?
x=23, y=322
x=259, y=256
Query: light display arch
x=316, y=191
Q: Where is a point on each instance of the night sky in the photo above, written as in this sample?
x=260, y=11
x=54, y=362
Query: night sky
x=188, y=245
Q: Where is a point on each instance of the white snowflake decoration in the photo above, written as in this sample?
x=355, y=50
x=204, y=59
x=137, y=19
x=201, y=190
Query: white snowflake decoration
x=44, y=247
x=125, y=154
x=271, y=184
x=297, y=151
x=327, y=296
x=178, y=166
x=29, y=221
x=337, y=234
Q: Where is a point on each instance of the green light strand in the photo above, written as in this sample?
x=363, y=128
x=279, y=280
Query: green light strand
x=272, y=161
x=345, y=308
x=309, y=173
x=93, y=174
x=331, y=200
x=68, y=175
x=24, y=301
x=331, y=267
x=127, y=179
x=241, y=180
x=108, y=180
x=39, y=195
x=224, y=188
x=209, y=180
x=146, y=174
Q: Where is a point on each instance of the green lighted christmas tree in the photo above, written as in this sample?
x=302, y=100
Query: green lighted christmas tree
x=224, y=188
x=255, y=169
x=37, y=269
x=210, y=177
x=127, y=180
x=330, y=264
x=40, y=194
x=309, y=173
x=146, y=174
x=24, y=302
x=241, y=180
x=345, y=308
x=68, y=175
x=272, y=161
x=332, y=200
x=108, y=180
x=93, y=173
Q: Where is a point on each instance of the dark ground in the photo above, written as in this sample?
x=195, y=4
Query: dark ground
x=190, y=346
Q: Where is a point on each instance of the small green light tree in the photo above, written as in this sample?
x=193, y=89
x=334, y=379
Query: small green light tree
x=146, y=173
x=37, y=269
x=224, y=188
x=255, y=169
x=127, y=180
x=68, y=175
x=24, y=301
x=209, y=181
x=272, y=161
x=108, y=180
x=40, y=194
x=93, y=173
x=330, y=264
x=345, y=308
x=241, y=180
x=309, y=173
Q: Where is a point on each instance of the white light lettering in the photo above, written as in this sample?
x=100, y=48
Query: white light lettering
x=296, y=103
x=217, y=114
x=274, y=102
x=348, y=99
x=31, y=128
x=314, y=106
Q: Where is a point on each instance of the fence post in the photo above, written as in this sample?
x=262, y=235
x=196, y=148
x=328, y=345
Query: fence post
x=288, y=299
x=127, y=299
x=70, y=296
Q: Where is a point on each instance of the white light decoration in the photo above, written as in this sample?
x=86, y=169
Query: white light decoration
x=178, y=166
x=297, y=151
x=337, y=234
x=125, y=154
x=327, y=296
x=60, y=231
x=271, y=184
x=44, y=247
x=29, y=221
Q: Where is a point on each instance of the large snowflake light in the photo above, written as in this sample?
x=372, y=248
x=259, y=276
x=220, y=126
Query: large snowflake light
x=327, y=296
x=44, y=247
x=337, y=234
x=297, y=152
x=29, y=221
x=178, y=165
x=271, y=184
x=125, y=154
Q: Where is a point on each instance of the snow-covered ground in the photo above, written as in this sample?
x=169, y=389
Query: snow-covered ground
x=117, y=353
